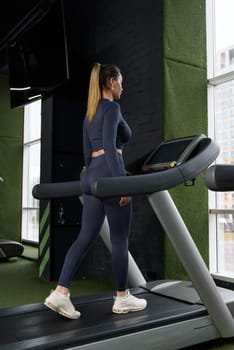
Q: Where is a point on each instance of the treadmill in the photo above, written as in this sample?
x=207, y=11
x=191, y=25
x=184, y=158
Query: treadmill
x=179, y=313
x=9, y=248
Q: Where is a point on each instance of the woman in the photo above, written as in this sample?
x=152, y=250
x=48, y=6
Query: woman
x=104, y=134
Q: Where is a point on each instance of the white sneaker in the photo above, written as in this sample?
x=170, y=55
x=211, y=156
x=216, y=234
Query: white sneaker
x=128, y=303
x=62, y=304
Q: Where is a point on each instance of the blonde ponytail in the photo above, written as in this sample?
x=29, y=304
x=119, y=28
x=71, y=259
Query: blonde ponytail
x=94, y=92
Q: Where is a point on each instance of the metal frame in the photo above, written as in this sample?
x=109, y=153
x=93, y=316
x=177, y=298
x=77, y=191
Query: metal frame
x=187, y=251
x=170, y=337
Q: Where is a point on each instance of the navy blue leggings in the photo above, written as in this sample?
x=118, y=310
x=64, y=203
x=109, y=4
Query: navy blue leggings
x=94, y=212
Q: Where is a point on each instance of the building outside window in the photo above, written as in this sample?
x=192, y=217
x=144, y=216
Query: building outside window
x=31, y=172
x=220, y=49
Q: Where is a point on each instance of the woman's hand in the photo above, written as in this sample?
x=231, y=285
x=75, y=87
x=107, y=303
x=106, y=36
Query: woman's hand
x=125, y=200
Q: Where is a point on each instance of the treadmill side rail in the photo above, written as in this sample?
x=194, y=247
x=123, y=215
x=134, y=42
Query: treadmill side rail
x=191, y=332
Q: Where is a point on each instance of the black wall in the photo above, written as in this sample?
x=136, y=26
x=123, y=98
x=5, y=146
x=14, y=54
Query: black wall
x=131, y=37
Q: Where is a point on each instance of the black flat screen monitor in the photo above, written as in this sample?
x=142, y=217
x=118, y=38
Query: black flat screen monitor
x=38, y=58
x=171, y=153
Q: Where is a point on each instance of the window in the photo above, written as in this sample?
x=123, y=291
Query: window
x=31, y=171
x=220, y=49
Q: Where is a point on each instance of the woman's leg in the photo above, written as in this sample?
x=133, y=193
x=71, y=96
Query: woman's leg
x=119, y=219
x=92, y=219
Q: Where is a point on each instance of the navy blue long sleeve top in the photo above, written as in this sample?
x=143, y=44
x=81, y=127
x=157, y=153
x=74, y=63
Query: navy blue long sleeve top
x=109, y=131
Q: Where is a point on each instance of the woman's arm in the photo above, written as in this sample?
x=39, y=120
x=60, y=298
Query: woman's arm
x=111, y=121
x=87, y=149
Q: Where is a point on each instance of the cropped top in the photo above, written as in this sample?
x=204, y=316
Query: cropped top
x=109, y=131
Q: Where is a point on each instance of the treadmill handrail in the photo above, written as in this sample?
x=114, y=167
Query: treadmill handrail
x=158, y=181
x=135, y=184
x=56, y=190
x=220, y=177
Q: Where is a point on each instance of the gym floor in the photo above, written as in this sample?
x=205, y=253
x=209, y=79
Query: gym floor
x=22, y=286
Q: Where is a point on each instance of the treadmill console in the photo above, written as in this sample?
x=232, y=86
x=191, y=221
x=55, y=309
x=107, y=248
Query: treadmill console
x=172, y=153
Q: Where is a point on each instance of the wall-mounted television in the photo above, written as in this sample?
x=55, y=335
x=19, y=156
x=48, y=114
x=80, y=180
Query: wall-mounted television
x=38, y=58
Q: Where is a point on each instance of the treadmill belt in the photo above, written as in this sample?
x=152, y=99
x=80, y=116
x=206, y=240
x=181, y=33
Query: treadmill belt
x=36, y=327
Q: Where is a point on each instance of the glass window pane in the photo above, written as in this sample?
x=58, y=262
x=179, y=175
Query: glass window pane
x=220, y=44
x=30, y=224
x=32, y=121
x=31, y=171
x=224, y=134
x=31, y=175
x=224, y=121
x=224, y=36
x=225, y=246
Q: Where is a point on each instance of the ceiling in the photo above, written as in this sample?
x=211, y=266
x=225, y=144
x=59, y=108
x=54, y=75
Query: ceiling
x=12, y=12
x=14, y=15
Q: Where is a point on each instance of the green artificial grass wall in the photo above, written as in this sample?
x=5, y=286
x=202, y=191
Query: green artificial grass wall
x=11, y=129
x=185, y=111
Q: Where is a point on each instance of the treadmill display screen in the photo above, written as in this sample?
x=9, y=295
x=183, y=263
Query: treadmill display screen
x=171, y=153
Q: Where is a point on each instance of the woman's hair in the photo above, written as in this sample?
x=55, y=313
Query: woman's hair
x=98, y=81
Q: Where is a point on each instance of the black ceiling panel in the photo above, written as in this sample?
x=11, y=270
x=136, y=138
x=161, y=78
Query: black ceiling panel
x=12, y=14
